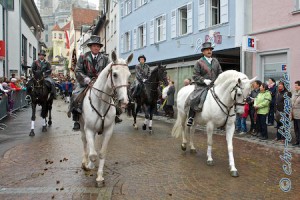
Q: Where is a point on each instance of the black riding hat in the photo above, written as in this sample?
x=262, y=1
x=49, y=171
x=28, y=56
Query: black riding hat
x=141, y=56
x=42, y=52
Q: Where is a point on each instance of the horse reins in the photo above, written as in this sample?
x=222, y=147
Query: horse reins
x=113, y=95
x=220, y=103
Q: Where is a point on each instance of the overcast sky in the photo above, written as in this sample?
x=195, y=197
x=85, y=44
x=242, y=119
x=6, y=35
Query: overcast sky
x=94, y=2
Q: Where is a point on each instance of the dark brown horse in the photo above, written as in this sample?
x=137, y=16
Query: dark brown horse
x=149, y=96
x=39, y=90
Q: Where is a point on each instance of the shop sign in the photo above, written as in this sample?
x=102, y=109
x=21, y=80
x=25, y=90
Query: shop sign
x=2, y=50
x=249, y=44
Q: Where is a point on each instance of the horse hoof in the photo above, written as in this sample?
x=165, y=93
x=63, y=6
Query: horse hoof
x=50, y=123
x=234, y=173
x=100, y=184
x=93, y=157
x=44, y=129
x=150, y=132
x=144, y=127
x=193, y=151
x=84, y=167
x=183, y=147
x=31, y=133
x=210, y=163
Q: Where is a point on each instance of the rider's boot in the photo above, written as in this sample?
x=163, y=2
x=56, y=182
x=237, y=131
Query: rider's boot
x=76, y=126
x=191, y=117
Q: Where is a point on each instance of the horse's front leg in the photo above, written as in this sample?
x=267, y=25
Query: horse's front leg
x=102, y=154
x=209, y=130
x=49, y=110
x=150, y=119
x=90, y=137
x=85, y=154
x=44, y=125
x=146, y=121
x=134, y=114
x=33, y=105
x=229, y=135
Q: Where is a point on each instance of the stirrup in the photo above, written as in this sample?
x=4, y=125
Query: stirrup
x=190, y=121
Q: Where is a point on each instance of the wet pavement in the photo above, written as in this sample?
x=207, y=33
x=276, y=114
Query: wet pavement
x=138, y=165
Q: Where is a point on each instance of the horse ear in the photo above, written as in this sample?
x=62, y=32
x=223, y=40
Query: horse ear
x=113, y=56
x=252, y=80
x=129, y=59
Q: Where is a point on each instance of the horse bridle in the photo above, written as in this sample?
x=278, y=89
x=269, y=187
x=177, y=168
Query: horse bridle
x=228, y=109
x=113, y=95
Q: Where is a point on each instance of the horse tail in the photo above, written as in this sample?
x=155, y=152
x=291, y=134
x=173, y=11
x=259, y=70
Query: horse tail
x=178, y=127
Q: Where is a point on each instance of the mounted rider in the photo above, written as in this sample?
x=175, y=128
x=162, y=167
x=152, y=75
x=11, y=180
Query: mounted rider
x=45, y=67
x=142, y=73
x=206, y=71
x=88, y=67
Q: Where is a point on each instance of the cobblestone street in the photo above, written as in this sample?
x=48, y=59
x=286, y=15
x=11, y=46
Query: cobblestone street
x=138, y=165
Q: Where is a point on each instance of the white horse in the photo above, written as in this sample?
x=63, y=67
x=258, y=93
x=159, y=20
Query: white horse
x=98, y=112
x=223, y=100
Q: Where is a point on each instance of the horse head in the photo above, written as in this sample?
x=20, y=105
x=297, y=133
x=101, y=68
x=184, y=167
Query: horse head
x=118, y=77
x=160, y=74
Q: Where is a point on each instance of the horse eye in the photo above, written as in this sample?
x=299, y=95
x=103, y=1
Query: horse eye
x=239, y=95
x=115, y=75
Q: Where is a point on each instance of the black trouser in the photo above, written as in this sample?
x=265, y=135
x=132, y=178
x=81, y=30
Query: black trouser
x=279, y=136
x=253, y=124
x=271, y=114
x=297, y=129
x=262, y=124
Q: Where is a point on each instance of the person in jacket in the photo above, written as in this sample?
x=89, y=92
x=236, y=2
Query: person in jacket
x=250, y=100
x=142, y=73
x=279, y=107
x=170, y=100
x=45, y=67
x=273, y=90
x=88, y=66
x=206, y=71
x=262, y=107
x=296, y=112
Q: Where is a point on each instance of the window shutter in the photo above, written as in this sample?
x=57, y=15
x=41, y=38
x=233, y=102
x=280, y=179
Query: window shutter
x=129, y=6
x=122, y=43
x=122, y=9
x=129, y=40
x=134, y=39
x=152, y=31
x=164, y=27
x=135, y=4
x=173, y=24
x=145, y=34
x=190, y=17
x=201, y=15
x=224, y=11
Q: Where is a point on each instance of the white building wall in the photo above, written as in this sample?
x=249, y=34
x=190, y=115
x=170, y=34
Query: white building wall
x=14, y=40
x=30, y=40
x=113, y=36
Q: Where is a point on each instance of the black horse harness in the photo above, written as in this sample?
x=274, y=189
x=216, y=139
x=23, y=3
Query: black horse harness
x=113, y=95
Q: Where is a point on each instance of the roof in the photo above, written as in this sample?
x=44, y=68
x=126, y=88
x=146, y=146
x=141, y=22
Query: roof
x=66, y=27
x=56, y=28
x=83, y=16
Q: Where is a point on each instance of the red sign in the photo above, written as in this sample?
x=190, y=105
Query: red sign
x=2, y=50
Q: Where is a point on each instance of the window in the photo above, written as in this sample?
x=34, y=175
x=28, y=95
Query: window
x=30, y=50
x=60, y=36
x=139, y=3
x=34, y=53
x=298, y=5
x=10, y=4
x=215, y=12
x=127, y=7
x=24, y=50
x=158, y=29
x=54, y=35
x=139, y=37
x=182, y=20
x=127, y=42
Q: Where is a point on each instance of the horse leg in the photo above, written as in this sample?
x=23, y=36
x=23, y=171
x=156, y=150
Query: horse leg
x=229, y=135
x=85, y=154
x=134, y=114
x=146, y=122
x=192, y=132
x=102, y=155
x=150, y=120
x=184, y=132
x=44, y=125
x=209, y=130
x=91, y=144
x=49, y=110
x=33, y=105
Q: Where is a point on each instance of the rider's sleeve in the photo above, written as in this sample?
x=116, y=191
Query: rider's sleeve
x=48, y=70
x=197, y=77
x=148, y=73
x=80, y=73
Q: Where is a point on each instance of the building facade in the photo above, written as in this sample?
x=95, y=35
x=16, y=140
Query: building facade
x=21, y=29
x=277, y=34
x=172, y=32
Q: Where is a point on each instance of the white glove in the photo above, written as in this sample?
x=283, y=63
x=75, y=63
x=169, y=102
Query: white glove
x=144, y=80
x=207, y=81
x=87, y=80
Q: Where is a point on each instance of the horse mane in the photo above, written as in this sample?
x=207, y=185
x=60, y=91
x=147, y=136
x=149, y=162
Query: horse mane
x=229, y=77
